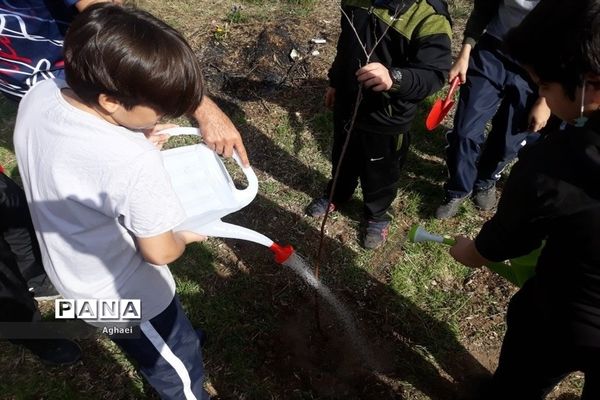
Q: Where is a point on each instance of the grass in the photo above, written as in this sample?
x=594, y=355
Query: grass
x=412, y=301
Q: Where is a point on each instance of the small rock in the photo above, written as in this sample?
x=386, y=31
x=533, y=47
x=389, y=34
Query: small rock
x=294, y=55
x=315, y=52
x=318, y=41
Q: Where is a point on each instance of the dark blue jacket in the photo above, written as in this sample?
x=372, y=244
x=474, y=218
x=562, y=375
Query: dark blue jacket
x=31, y=39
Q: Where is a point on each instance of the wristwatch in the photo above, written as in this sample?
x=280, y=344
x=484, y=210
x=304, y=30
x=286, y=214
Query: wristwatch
x=396, y=75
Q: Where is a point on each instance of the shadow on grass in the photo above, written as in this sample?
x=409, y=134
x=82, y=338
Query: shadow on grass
x=304, y=105
x=267, y=155
x=264, y=340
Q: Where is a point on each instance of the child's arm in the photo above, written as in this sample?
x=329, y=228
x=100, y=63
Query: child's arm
x=461, y=64
x=482, y=14
x=465, y=252
x=148, y=207
x=168, y=247
x=523, y=218
x=424, y=71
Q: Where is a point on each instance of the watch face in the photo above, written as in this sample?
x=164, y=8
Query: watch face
x=396, y=75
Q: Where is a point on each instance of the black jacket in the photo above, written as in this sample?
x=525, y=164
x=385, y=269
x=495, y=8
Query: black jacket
x=553, y=193
x=417, y=43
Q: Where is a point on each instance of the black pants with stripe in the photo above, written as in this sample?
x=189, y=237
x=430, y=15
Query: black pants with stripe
x=373, y=159
x=168, y=354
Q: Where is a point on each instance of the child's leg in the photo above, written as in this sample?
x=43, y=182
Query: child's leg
x=532, y=360
x=15, y=222
x=509, y=129
x=478, y=102
x=169, y=355
x=382, y=160
x=16, y=303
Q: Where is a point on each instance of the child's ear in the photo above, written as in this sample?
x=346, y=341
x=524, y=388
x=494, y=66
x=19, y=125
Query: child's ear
x=108, y=103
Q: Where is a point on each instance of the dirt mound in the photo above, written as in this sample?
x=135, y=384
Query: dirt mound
x=324, y=358
x=281, y=55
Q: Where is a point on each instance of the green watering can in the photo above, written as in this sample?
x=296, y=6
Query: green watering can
x=517, y=270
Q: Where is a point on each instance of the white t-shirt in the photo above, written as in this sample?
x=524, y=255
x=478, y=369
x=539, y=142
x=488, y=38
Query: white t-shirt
x=92, y=186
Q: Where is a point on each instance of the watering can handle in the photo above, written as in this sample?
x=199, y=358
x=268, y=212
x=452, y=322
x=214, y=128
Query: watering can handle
x=181, y=131
x=244, y=196
x=453, y=86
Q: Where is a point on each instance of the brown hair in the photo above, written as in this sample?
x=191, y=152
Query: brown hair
x=132, y=56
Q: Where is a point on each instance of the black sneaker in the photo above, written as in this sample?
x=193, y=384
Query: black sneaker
x=318, y=207
x=41, y=288
x=53, y=352
x=485, y=199
x=449, y=208
x=376, y=233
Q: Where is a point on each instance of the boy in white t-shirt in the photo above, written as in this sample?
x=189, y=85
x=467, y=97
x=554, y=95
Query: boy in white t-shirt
x=101, y=201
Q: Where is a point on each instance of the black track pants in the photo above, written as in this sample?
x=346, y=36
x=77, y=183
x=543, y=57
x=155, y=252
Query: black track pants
x=373, y=159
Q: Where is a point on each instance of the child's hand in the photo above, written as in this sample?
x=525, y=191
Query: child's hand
x=330, y=97
x=158, y=140
x=375, y=76
x=461, y=65
x=539, y=115
x=154, y=135
x=465, y=252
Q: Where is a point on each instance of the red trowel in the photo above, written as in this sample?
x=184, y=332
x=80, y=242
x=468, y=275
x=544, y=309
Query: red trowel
x=441, y=107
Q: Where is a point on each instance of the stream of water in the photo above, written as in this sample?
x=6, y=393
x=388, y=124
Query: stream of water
x=304, y=270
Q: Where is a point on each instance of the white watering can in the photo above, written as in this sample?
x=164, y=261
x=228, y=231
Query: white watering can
x=208, y=193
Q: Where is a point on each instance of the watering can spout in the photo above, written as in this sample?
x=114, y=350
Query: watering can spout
x=222, y=229
x=417, y=234
x=282, y=253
